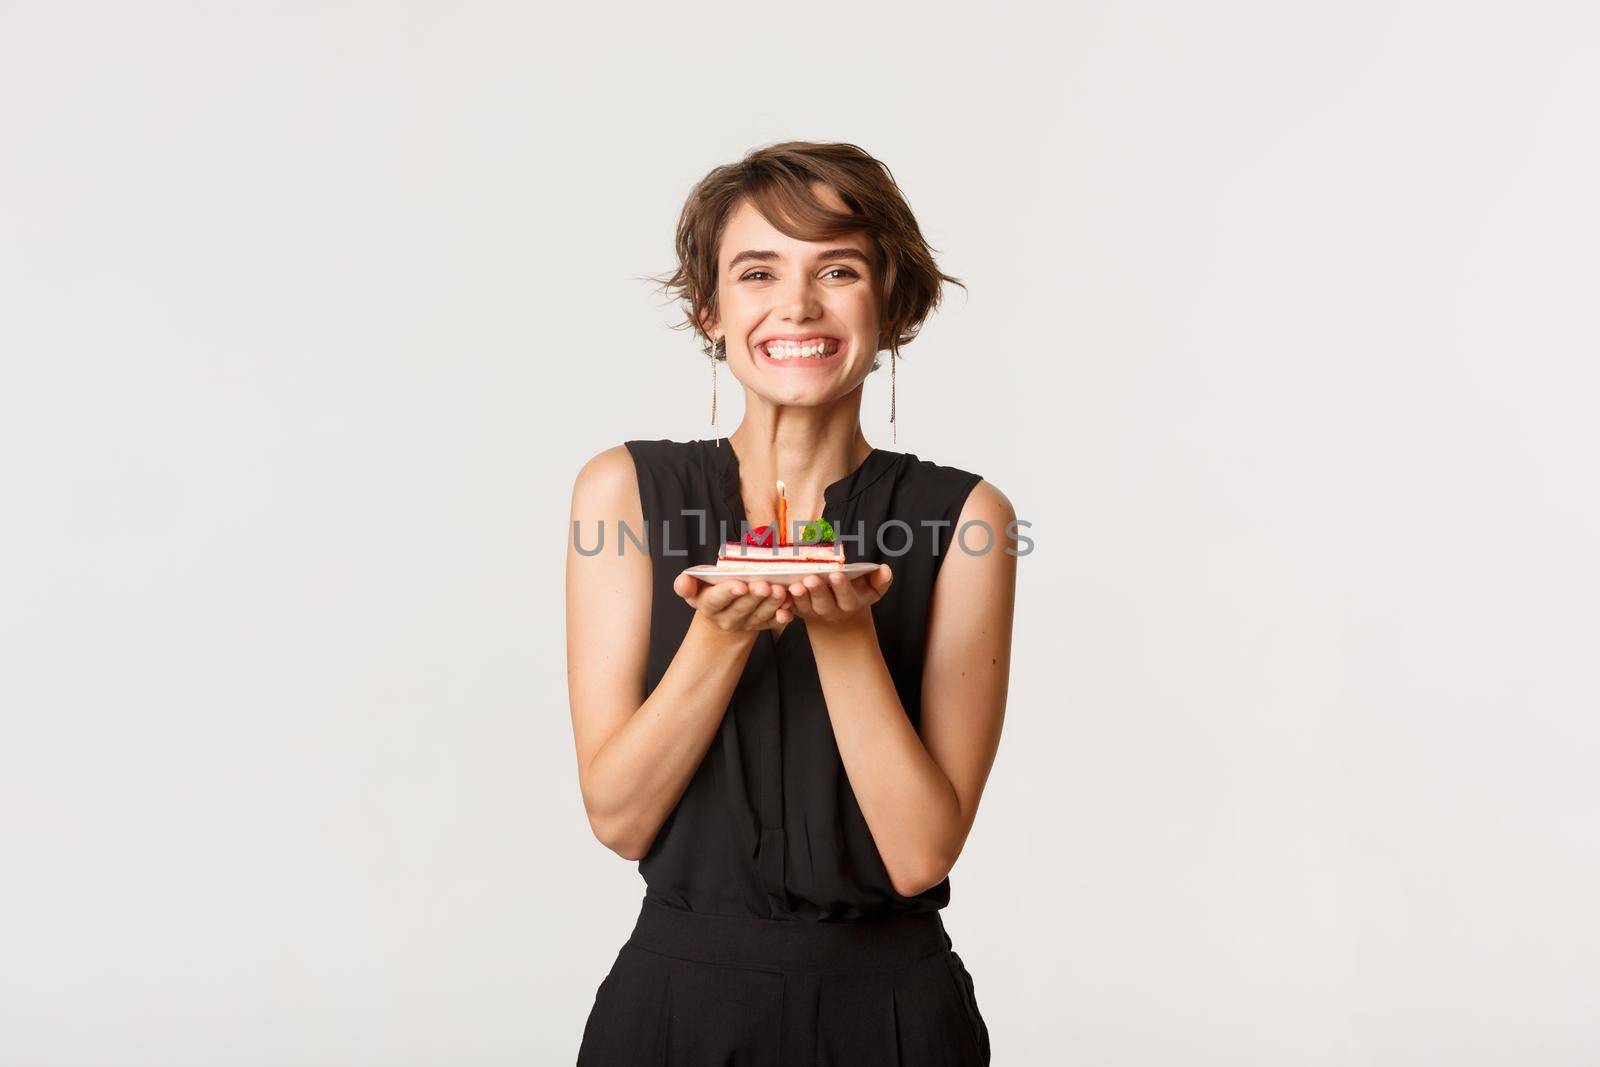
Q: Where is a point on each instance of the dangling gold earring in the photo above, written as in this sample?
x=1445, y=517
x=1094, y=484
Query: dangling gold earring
x=717, y=352
x=893, y=439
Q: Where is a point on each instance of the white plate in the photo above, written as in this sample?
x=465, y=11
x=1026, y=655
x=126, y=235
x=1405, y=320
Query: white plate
x=710, y=574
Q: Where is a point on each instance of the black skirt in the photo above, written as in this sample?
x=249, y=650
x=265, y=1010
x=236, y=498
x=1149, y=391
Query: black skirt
x=696, y=990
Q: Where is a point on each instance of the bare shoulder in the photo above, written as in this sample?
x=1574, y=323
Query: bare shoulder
x=987, y=503
x=980, y=571
x=986, y=526
x=605, y=499
x=608, y=483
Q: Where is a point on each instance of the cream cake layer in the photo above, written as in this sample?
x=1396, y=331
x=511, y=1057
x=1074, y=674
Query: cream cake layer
x=736, y=554
x=778, y=566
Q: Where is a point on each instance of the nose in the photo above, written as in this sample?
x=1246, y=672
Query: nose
x=798, y=300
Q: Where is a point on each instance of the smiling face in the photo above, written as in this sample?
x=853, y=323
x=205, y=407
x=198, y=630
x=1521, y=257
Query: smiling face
x=800, y=317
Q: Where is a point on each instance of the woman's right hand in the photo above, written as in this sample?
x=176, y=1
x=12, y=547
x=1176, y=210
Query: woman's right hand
x=736, y=606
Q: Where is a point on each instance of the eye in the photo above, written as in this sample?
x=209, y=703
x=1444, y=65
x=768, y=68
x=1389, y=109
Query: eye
x=846, y=271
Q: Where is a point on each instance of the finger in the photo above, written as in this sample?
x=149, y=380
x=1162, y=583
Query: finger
x=823, y=604
x=800, y=597
x=737, y=614
x=881, y=578
x=722, y=594
x=688, y=587
x=845, y=593
x=866, y=594
x=767, y=607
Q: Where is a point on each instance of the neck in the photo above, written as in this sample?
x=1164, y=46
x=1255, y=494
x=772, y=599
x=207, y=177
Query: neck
x=808, y=448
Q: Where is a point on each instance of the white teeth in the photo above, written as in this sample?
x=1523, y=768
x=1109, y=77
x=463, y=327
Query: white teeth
x=778, y=350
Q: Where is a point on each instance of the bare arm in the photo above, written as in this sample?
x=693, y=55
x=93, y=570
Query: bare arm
x=636, y=756
x=919, y=794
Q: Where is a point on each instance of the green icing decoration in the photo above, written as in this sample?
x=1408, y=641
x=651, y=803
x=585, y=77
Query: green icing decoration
x=816, y=531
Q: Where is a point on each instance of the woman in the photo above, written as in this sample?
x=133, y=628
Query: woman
x=795, y=766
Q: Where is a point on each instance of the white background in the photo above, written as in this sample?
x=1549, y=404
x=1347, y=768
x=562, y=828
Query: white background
x=1281, y=332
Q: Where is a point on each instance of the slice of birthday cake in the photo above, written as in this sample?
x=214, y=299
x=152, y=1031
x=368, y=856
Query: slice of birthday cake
x=816, y=550
x=767, y=547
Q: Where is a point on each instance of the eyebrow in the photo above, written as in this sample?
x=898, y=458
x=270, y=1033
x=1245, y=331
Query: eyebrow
x=830, y=254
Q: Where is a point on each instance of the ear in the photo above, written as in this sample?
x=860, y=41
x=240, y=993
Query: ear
x=708, y=326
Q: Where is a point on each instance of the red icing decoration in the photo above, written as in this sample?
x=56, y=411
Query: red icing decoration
x=760, y=537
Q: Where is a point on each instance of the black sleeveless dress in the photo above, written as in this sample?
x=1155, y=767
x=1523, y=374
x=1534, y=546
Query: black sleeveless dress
x=766, y=865
x=769, y=825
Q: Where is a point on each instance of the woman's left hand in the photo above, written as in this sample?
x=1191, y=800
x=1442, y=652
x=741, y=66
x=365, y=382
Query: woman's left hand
x=830, y=600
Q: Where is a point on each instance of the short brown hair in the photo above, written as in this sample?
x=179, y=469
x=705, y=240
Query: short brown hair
x=777, y=180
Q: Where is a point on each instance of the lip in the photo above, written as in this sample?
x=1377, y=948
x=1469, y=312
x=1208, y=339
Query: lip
x=801, y=362
x=799, y=338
